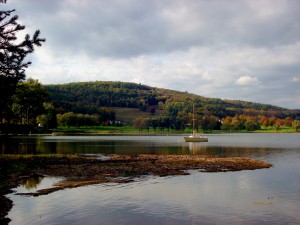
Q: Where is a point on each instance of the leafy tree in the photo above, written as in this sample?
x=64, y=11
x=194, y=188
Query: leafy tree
x=77, y=120
x=276, y=126
x=208, y=123
x=178, y=124
x=288, y=121
x=226, y=124
x=272, y=121
x=280, y=122
x=154, y=124
x=106, y=115
x=296, y=125
x=48, y=120
x=252, y=125
x=148, y=124
x=67, y=119
x=87, y=120
x=238, y=122
x=164, y=122
x=139, y=123
x=264, y=121
x=28, y=101
x=51, y=116
x=12, y=57
x=42, y=120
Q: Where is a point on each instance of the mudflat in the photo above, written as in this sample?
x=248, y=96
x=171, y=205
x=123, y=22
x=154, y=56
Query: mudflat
x=80, y=170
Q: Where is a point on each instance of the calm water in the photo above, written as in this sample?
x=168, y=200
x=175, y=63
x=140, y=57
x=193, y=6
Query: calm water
x=267, y=196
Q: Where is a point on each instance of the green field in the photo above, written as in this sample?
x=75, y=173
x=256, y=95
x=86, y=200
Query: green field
x=114, y=130
x=283, y=129
x=97, y=129
x=129, y=114
x=130, y=130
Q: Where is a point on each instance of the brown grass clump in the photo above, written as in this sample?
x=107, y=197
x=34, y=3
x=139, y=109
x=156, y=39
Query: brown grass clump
x=80, y=171
x=122, y=168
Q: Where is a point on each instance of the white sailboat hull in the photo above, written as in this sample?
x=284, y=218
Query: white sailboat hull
x=195, y=139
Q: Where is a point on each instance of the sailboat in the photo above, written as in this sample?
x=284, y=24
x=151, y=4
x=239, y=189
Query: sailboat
x=194, y=137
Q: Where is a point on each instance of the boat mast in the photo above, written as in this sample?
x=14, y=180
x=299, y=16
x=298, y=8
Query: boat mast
x=194, y=119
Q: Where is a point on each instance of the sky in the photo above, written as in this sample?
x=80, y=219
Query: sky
x=230, y=49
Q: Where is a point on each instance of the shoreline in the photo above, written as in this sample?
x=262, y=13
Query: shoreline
x=107, y=133
x=86, y=170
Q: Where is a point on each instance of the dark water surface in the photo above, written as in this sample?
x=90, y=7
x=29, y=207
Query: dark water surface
x=267, y=196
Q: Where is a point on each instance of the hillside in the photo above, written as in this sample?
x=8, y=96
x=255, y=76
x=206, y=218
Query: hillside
x=129, y=114
x=88, y=97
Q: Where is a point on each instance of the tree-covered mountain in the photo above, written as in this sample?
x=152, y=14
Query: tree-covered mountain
x=90, y=97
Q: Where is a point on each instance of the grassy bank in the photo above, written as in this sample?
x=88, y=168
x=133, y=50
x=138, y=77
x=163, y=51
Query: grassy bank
x=97, y=129
x=283, y=129
x=131, y=130
x=116, y=130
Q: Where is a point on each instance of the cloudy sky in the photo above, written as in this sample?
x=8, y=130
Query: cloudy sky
x=228, y=49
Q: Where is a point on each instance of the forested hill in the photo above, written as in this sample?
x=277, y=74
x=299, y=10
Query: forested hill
x=89, y=97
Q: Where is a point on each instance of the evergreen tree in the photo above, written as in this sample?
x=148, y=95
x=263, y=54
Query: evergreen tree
x=12, y=57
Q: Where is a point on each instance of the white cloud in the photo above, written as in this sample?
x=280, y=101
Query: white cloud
x=247, y=81
x=295, y=79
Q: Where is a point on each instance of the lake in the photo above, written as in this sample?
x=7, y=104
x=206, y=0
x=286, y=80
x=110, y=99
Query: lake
x=266, y=196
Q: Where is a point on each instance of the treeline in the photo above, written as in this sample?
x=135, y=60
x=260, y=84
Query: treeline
x=210, y=123
x=87, y=97
x=27, y=106
x=250, y=123
x=71, y=119
x=207, y=124
x=30, y=109
x=91, y=104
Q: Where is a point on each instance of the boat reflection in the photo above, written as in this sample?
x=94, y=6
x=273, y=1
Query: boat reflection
x=197, y=148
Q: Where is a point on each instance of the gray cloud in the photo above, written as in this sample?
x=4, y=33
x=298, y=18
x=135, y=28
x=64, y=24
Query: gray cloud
x=131, y=28
x=205, y=47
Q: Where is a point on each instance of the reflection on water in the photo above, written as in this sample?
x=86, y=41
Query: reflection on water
x=37, y=182
x=32, y=182
x=222, y=145
x=267, y=196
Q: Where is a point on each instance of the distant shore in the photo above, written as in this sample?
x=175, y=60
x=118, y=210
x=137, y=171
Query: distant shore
x=128, y=130
x=82, y=170
x=131, y=130
x=107, y=133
